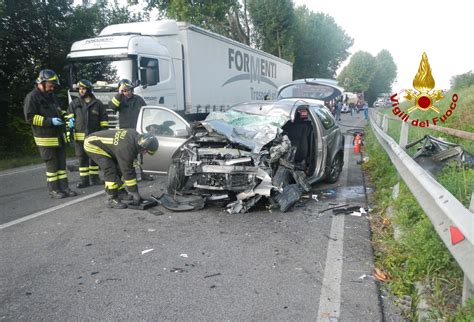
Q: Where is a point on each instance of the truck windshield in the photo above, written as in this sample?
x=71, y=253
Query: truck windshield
x=104, y=73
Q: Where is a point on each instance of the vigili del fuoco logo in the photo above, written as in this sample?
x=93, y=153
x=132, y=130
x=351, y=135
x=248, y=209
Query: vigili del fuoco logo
x=423, y=97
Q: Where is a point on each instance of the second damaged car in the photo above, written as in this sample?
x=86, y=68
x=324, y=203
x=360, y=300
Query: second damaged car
x=260, y=150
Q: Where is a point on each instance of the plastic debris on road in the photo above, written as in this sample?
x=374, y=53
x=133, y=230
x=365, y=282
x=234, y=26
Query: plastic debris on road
x=147, y=250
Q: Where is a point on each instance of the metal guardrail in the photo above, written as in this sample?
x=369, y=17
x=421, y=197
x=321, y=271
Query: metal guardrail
x=442, y=208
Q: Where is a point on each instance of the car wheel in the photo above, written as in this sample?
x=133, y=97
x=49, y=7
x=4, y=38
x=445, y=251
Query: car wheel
x=334, y=171
x=176, y=177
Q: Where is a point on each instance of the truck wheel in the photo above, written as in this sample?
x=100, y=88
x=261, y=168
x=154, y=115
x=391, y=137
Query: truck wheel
x=334, y=171
x=176, y=178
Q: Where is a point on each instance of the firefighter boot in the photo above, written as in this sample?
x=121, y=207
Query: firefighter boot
x=83, y=183
x=113, y=201
x=95, y=180
x=123, y=195
x=64, y=187
x=54, y=191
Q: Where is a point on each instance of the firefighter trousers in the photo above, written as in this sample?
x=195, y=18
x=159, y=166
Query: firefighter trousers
x=55, y=161
x=87, y=166
x=111, y=171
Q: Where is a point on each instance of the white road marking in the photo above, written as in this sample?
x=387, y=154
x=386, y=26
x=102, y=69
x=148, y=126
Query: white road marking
x=43, y=212
x=8, y=173
x=330, y=298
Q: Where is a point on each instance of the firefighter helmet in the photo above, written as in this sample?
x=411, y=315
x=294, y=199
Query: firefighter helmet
x=87, y=84
x=148, y=142
x=47, y=75
x=125, y=84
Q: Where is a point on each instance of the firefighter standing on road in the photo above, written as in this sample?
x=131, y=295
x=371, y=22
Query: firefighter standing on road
x=90, y=116
x=128, y=104
x=115, y=152
x=47, y=120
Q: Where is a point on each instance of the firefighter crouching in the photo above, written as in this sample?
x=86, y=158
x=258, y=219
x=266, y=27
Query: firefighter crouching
x=114, y=151
x=42, y=111
x=90, y=116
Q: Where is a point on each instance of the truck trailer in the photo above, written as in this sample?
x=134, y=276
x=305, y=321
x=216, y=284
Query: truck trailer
x=177, y=65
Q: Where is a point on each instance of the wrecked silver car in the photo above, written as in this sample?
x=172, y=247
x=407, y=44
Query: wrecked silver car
x=272, y=150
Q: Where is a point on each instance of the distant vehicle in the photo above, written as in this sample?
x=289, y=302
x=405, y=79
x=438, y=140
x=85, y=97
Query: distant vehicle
x=175, y=64
x=382, y=102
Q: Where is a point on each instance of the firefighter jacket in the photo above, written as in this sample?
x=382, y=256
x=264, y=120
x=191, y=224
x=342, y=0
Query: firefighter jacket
x=40, y=109
x=119, y=145
x=128, y=109
x=90, y=117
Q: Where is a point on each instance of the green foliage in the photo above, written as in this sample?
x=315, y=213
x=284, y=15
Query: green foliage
x=463, y=80
x=38, y=34
x=321, y=45
x=273, y=23
x=358, y=75
x=419, y=254
x=385, y=74
x=210, y=15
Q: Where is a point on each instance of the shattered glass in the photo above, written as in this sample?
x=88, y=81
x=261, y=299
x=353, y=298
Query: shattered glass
x=250, y=130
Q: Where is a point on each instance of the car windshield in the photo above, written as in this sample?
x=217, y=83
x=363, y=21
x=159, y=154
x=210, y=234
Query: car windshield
x=250, y=130
x=104, y=73
x=308, y=90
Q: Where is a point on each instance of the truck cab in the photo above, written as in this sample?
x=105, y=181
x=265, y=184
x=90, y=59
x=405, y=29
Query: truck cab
x=152, y=66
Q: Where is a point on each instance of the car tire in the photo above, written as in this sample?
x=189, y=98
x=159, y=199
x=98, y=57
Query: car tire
x=335, y=169
x=176, y=177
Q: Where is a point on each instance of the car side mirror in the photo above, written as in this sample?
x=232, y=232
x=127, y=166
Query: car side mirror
x=182, y=133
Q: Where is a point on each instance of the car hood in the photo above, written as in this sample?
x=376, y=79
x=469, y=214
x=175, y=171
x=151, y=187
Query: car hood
x=249, y=130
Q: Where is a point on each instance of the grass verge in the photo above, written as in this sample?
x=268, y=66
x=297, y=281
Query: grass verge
x=418, y=255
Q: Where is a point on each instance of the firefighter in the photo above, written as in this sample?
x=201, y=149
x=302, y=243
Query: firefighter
x=90, y=116
x=47, y=120
x=115, y=152
x=128, y=105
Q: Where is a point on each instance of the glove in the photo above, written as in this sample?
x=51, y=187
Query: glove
x=137, y=199
x=57, y=121
x=71, y=122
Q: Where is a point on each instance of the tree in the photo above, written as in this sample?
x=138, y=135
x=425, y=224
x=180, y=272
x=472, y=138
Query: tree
x=357, y=75
x=321, y=45
x=463, y=80
x=37, y=34
x=385, y=74
x=217, y=15
x=273, y=23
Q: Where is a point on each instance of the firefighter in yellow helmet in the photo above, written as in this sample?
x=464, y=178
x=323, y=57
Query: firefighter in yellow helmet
x=90, y=116
x=42, y=111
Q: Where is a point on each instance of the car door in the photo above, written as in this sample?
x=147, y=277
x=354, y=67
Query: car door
x=331, y=130
x=320, y=147
x=171, y=131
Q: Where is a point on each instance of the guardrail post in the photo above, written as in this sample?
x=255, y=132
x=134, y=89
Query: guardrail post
x=468, y=287
x=385, y=123
x=404, y=135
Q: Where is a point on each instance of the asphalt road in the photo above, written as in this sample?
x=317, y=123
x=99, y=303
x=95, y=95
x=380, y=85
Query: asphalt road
x=75, y=259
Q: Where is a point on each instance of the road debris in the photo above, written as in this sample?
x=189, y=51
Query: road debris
x=434, y=153
x=184, y=255
x=380, y=275
x=212, y=275
x=147, y=250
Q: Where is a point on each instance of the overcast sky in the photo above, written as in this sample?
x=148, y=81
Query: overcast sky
x=442, y=29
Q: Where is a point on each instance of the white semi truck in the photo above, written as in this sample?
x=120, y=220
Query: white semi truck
x=177, y=65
